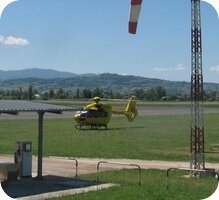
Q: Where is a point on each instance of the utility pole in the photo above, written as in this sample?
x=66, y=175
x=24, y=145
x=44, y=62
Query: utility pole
x=197, y=159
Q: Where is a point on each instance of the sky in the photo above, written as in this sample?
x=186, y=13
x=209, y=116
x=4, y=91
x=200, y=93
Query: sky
x=91, y=36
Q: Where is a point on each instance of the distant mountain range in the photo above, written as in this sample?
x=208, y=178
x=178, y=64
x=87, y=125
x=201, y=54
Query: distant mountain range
x=37, y=73
x=46, y=79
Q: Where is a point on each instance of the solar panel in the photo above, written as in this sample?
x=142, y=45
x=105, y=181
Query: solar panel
x=15, y=106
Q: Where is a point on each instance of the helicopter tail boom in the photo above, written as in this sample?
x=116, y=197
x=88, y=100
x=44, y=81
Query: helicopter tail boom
x=130, y=112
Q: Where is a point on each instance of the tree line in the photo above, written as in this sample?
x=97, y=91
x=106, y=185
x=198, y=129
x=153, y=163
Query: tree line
x=156, y=93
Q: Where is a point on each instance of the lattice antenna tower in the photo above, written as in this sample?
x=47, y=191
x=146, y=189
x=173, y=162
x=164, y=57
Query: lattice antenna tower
x=197, y=159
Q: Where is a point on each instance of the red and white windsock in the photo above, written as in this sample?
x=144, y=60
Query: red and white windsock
x=134, y=15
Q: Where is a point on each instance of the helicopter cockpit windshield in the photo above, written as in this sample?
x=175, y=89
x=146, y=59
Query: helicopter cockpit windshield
x=92, y=113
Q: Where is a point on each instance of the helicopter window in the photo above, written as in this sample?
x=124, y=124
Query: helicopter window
x=103, y=113
x=97, y=113
x=83, y=113
x=92, y=113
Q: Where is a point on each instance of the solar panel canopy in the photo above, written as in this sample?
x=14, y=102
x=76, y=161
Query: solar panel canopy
x=15, y=106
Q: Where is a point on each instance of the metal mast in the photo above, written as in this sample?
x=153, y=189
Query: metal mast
x=197, y=127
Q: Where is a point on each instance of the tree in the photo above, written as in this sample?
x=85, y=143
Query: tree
x=45, y=96
x=30, y=92
x=160, y=92
x=97, y=92
x=19, y=93
x=77, y=93
x=51, y=93
x=150, y=94
x=139, y=93
x=87, y=93
x=61, y=94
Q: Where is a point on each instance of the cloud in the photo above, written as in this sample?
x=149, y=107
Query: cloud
x=160, y=69
x=179, y=67
x=13, y=41
x=215, y=69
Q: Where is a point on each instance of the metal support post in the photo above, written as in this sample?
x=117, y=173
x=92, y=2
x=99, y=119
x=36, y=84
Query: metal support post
x=40, y=145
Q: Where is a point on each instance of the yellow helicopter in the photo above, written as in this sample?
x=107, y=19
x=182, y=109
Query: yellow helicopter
x=96, y=115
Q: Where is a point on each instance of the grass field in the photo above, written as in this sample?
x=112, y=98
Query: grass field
x=148, y=138
x=153, y=186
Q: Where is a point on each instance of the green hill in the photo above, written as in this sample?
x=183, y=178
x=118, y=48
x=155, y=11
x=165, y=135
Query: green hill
x=106, y=81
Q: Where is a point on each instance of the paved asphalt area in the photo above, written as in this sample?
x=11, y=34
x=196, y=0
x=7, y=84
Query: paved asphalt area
x=143, y=111
x=59, y=179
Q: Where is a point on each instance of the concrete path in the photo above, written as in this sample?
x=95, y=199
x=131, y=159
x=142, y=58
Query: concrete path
x=66, y=167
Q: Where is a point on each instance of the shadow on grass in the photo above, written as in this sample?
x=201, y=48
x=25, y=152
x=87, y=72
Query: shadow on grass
x=125, y=128
x=111, y=129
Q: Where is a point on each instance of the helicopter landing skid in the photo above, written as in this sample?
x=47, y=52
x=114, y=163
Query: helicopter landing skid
x=91, y=127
